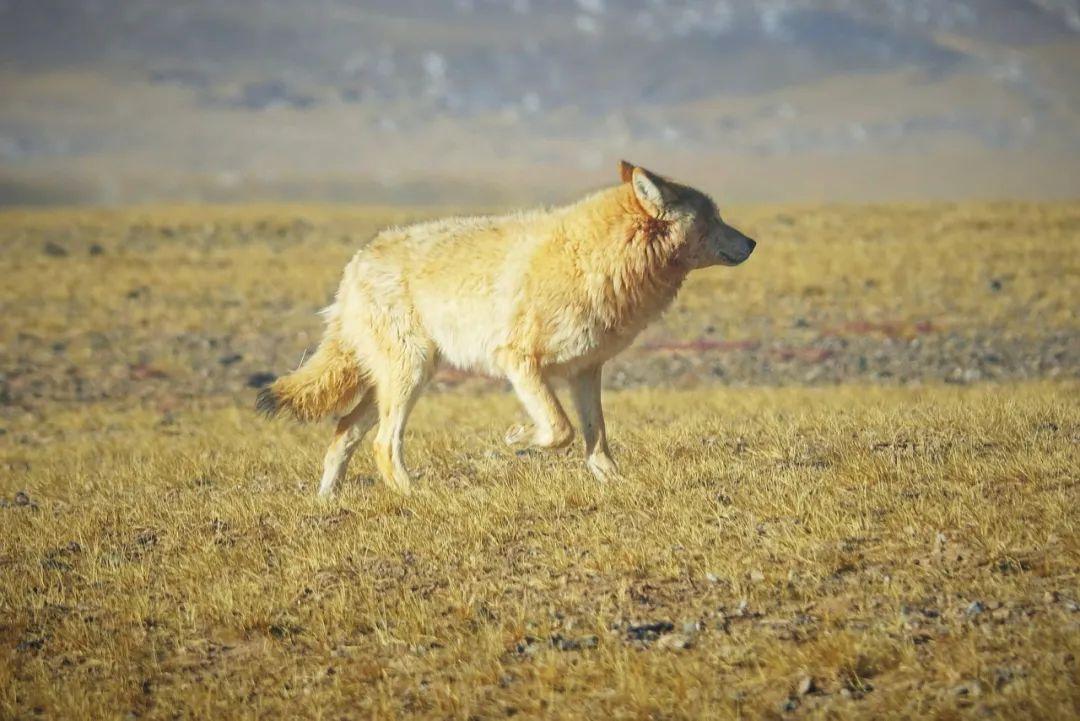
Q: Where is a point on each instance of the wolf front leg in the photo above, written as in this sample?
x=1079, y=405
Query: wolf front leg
x=585, y=388
x=550, y=429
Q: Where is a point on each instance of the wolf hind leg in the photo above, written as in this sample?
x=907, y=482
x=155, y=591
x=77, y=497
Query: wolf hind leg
x=351, y=429
x=397, y=393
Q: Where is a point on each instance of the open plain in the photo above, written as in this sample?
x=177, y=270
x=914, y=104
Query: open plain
x=851, y=485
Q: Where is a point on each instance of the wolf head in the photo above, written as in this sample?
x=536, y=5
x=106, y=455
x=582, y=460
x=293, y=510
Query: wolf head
x=707, y=239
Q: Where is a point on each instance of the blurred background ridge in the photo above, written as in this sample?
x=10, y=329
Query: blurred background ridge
x=493, y=102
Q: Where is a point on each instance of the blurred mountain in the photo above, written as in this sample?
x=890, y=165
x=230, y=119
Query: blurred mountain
x=478, y=100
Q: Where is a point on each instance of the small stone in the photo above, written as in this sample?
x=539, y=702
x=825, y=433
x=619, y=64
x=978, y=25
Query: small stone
x=975, y=608
x=588, y=642
x=806, y=685
x=712, y=578
x=54, y=249
x=968, y=688
x=756, y=576
x=649, y=631
x=22, y=499
x=742, y=608
x=1050, y=597
x=528, y=646
x=675, y=641
x=30, y=644
x=574, y=644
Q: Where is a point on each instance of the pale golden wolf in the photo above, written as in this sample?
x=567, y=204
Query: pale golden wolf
x=529, y=297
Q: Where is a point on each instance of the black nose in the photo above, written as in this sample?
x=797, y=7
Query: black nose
x=752, y=243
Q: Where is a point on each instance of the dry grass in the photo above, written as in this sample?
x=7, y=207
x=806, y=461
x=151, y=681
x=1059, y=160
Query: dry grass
x=896, y=264
x=911, y=549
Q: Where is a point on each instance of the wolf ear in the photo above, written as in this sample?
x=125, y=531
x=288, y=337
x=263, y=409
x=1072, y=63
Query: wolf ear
x=626, y=171
x=651, y=191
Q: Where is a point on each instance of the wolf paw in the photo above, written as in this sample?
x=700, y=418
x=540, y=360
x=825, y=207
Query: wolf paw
x=518, y=435
x=604, y=469
x=400, y=485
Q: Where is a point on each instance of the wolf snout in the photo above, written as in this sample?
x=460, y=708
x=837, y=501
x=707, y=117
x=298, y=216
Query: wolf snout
x=740, y=245
x=748, y=247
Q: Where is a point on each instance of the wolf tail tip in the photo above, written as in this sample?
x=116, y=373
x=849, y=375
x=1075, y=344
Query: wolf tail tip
x=267, y=402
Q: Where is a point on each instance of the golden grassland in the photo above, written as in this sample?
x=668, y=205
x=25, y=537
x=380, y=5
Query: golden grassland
x=853, y=549
x=914, y=552
x=895, y=263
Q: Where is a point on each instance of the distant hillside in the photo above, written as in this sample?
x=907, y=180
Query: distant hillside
x=389, y=99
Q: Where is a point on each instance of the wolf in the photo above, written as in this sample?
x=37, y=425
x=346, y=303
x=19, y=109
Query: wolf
x=530, y=297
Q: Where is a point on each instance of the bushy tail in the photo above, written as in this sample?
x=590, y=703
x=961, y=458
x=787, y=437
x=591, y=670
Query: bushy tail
x=325, y=383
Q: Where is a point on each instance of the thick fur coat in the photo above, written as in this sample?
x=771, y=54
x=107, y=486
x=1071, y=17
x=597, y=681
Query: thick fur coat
x=530, y=297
